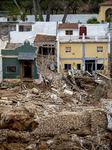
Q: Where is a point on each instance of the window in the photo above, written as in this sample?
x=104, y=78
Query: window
x=100, y=67
x=99, y=49
x=11, y=69
x=46, y=50
x=67, y=66
x=78, y=66
x=21, y=28
x=25, y=28
x=67, y=49
x=69, y=32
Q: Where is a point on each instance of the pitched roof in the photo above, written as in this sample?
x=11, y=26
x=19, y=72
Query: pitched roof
x=68, y=26
x=107, y=3
x=44, y=38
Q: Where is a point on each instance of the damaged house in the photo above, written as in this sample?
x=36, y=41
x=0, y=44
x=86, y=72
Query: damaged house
x=28, y=50
x=46, y=55
x=19, y=63
x=83, y=46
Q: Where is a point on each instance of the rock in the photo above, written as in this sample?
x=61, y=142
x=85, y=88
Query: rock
x=84, y=131
x=42, y=145
x=45, y=113
x=35, y=91
x=99, y=121
x=65, y=137
x=31, y=147
x=50, y=142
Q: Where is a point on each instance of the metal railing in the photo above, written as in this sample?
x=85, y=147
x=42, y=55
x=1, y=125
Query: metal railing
x=72, y=38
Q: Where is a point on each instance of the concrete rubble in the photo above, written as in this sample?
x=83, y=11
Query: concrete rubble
x=62, y=111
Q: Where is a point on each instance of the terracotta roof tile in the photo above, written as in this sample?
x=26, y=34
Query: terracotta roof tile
x=68, y=26
x=106, y=3
x=44, y=38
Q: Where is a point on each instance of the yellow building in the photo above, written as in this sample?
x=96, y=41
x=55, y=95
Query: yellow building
x=81, y=51
x=105, y=10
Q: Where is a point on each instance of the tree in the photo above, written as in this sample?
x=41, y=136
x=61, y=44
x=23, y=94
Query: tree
x=94, y=6
x=48, y=10
x=76, y=5
x=44, y=5
x=35, y=11
x=70, y=2
x=56, y=5
x=66, y=11
x=39, y=10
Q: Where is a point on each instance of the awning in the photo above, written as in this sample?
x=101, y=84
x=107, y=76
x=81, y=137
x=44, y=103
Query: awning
x=26, y=56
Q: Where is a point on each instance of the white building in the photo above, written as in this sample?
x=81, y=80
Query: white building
x=29, y=30
x=3, y=43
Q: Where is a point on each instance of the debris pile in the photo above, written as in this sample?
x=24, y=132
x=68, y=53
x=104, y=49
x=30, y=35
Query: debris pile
x=60, y=111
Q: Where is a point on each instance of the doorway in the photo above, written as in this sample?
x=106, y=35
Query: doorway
x=90, y=65
x=27, y=69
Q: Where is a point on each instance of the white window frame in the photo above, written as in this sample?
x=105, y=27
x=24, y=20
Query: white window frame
x=68, y=49
x=99, y=49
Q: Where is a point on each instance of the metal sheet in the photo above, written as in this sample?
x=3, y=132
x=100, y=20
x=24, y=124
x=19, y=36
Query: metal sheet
x=26, y=56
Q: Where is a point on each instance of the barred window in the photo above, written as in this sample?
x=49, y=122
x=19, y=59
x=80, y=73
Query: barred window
x=11, y=69
x=69, y=32
x=67, y=49
x=99, y=49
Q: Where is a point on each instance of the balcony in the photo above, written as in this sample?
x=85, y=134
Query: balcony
x=83, y=38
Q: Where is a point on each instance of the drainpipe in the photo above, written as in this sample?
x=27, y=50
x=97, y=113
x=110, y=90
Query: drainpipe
x=0, y=63
x=58, y=54
x=110, y=49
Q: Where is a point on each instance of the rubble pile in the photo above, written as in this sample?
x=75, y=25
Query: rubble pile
x=60, y=111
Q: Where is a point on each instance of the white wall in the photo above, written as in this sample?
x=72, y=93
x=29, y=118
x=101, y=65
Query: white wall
x=92, y=30
x=0, y=68
x=61, y=32
x=96, y=29
x=20, y=37
x=72, y=18
x=2, y=46
x=45, y=28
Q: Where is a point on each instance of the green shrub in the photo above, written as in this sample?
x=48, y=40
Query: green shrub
x=23, y=16
x=92, y=21
x=108, y=19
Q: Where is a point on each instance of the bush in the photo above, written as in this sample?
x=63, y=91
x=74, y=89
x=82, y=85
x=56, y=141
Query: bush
x=108, y=19
x=92, y=21
x=23, y=16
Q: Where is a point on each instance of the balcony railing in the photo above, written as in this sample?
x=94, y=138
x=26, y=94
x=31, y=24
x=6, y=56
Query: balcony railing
x=72, y=38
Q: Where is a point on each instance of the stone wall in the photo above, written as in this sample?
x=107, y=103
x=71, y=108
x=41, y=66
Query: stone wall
x=6, y=27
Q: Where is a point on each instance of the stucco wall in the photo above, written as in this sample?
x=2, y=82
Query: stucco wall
x=76, y=50
x=102, y=13
x=46, y=28
x=80, y=52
